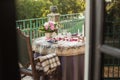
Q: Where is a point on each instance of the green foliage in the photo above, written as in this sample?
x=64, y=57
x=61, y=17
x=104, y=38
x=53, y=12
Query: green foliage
x=113, y=17
x=71, y=6
x=26, y=9
x=112, y=10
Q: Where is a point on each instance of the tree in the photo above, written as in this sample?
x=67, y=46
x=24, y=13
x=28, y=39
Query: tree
x=26, y=9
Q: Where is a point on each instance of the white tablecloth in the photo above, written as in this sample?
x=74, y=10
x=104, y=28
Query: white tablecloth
x=61, y=47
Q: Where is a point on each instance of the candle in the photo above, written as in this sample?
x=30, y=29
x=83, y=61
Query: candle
x=78, y=32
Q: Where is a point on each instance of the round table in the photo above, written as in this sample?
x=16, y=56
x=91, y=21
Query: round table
x=61, y=48
x=71, y=57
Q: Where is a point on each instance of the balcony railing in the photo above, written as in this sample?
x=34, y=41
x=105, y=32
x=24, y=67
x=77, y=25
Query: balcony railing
x=70, y=22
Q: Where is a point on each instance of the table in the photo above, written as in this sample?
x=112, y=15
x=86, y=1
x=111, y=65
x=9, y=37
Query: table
x=72, y=68
x=61, y=48
x=71, y=57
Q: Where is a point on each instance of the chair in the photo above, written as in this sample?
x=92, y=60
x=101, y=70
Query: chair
x=26, y=57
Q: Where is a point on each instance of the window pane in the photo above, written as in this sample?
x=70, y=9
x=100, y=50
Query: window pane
x=112, y=23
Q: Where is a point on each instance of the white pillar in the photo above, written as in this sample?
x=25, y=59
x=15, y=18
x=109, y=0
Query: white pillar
x=87, y=46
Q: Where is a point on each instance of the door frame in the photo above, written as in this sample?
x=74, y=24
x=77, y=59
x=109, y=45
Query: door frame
x=95, y=48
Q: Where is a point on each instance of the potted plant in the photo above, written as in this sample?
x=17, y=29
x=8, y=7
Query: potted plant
x=48, y=28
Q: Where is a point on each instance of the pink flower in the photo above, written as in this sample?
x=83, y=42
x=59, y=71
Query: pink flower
x=51, y=23
x=49, y=26
x=52, y=27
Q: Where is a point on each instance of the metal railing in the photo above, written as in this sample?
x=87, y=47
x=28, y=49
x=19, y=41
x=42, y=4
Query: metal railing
x=69, y=22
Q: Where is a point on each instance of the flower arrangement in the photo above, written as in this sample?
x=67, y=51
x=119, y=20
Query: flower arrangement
x=49, y=26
